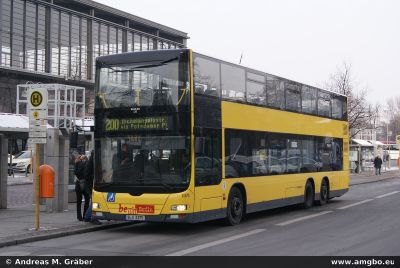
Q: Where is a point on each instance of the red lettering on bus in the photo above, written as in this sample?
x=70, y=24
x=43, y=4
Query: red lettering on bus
x=147, y=209
x=137, y=209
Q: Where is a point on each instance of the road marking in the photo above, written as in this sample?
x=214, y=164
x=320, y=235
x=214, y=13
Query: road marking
x=51, y=255
x=303, y=218
x=15, y=253
x=389, y=194
x=356, y=204
x=215, y=243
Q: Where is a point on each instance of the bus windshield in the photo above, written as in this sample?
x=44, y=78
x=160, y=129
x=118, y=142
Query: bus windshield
x=145, y=161
x=142, y=134
x=143, y=84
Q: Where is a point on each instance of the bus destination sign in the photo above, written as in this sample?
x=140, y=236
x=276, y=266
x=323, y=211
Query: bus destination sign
x=138, y=124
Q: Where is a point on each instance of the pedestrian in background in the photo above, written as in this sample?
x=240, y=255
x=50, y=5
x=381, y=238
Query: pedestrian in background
x=386, y=159
x=378, y=165
x=80, y=186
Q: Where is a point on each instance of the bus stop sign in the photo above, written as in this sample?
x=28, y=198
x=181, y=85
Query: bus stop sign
x=38, y=111
x=37, y=99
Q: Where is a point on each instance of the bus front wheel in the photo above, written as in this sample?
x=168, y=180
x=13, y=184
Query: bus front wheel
x=235, y=208
x=308, y=195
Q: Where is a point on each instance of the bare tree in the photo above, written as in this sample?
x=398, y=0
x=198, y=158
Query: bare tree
x=361, y=114
x=393, y=116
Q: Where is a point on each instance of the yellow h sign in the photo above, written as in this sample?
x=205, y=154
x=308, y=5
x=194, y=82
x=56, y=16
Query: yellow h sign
x=36, y=99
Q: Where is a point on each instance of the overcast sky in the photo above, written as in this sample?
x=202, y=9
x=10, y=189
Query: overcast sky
x=303, y=40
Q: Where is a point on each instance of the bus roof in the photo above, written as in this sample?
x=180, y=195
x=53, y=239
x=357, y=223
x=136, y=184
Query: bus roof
x=265, y=73
x=139, y=56
x=161, y=55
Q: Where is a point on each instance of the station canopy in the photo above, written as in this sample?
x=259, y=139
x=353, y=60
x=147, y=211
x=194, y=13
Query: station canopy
x=378, y=143
x=14, y=123
x=362, y=142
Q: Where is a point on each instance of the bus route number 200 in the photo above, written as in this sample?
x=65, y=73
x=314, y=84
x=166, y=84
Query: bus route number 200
x=112, y=125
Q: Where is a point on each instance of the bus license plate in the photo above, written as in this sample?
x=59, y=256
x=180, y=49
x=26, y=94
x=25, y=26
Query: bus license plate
x=135, y=218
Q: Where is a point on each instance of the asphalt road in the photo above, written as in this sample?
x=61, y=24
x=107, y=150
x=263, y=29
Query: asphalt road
x=365, y=221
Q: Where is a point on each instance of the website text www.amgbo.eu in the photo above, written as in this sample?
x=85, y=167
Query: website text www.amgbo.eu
x=364, y=262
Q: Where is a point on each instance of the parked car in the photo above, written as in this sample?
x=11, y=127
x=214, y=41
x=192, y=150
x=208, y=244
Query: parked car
x=297, y=164
x=22, y=162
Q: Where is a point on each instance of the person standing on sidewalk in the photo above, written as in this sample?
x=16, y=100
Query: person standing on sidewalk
x=89, y=175
x=378, y=165
x=80, y=185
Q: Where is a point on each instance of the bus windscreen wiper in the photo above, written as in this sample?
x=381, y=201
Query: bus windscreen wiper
x=142, y=66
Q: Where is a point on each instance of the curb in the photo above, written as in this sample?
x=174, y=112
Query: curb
x=19, y=241
x=391, y=176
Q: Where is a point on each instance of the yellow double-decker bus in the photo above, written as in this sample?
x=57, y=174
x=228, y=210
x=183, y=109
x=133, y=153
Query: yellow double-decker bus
x=182, y=137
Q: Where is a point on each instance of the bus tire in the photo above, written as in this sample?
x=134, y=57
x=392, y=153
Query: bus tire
x=324, y=193
x=308, y=195
x=235, y=207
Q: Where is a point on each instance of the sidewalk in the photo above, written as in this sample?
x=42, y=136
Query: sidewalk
x=18, y=221
x=370, y=177
x=19, y=179
x=17, y=225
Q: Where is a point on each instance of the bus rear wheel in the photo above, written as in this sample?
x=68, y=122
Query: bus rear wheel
x=235, y=208
x=308, y=195
x=324, y=193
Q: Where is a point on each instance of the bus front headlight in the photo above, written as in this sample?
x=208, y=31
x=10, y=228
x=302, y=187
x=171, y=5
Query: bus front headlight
x=96, y=206
x=179, y=207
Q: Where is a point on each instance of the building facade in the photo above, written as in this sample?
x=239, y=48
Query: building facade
x=57, y=41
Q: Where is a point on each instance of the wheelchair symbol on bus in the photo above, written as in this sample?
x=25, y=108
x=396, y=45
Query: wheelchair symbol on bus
x=110, y=197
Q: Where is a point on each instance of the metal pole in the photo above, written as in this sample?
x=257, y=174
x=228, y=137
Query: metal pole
x=387, y=145
x=10, y=170
x=37, y=188
x=32, y=167
x=359, y=159
x=387, y=134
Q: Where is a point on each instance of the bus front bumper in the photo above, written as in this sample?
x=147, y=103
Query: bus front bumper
x=178, y=218
x=193, y=217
